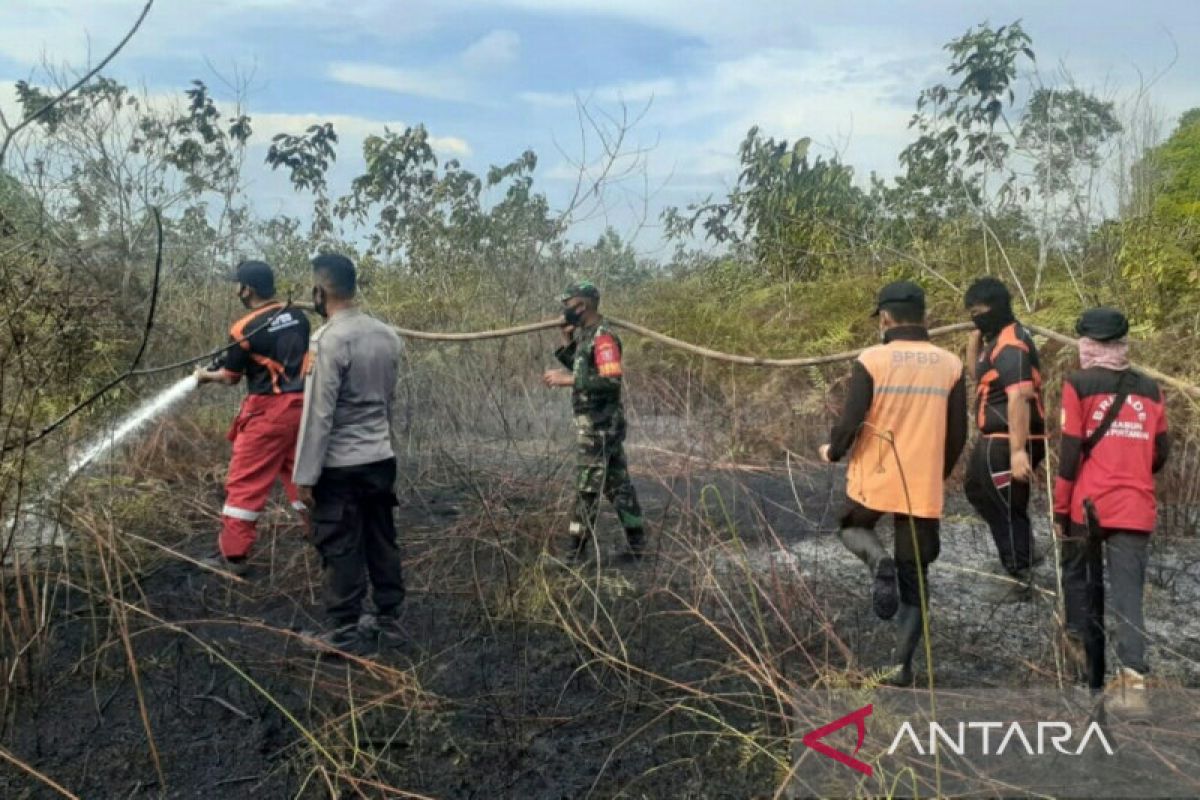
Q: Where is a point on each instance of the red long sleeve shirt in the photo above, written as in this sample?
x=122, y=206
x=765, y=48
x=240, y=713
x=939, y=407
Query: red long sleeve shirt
x=1118, y=475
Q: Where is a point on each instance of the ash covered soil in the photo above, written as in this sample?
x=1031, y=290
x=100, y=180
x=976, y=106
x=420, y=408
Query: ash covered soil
x=520, y=678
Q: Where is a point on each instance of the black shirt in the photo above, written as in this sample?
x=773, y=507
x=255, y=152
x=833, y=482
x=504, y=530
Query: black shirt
x=1006, y=364
x=269, y=346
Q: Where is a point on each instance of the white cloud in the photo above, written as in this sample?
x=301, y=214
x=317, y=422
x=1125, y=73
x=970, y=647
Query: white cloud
x=714, y=21
x=351, y=129
x=634, y=93
x=433, y=83
x=498, y=48
x=457, y=78
x=844, y=100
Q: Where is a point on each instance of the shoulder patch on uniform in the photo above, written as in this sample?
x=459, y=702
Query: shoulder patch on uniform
x=607, y=355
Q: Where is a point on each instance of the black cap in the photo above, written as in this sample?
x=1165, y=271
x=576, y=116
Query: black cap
x=1102, y=324
x=905, y=292
x=258, y=276
x=581, y=289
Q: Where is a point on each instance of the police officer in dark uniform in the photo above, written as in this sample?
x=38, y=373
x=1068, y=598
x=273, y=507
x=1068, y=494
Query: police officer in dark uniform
x=591, y=355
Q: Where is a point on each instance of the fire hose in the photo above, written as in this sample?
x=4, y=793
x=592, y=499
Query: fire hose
x=753, y=361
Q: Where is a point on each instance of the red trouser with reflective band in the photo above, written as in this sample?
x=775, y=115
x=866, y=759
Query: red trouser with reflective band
x=264, y=448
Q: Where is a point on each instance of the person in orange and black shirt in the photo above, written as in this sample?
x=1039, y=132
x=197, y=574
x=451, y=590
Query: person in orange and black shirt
x=1012, y=430
x=268, y=347
x=904, y=426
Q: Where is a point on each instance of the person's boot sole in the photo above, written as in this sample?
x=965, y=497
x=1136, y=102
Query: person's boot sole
x=884, y=595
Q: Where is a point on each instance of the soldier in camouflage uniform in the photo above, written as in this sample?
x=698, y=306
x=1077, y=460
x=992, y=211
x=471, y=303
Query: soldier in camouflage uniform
x=592, y=354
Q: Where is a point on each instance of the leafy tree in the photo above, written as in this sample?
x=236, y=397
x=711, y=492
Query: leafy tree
x=1063, y=133
x=611, y=261
x=1160, y=251
x=103, y=157
x=795, y=214
x=1174, y=167
x=958, y=143
x=307, y=159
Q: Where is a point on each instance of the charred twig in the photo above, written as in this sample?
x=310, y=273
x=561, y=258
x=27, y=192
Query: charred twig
x=228, y=706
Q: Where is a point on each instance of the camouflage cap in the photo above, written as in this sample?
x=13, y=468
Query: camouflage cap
x=580, y=289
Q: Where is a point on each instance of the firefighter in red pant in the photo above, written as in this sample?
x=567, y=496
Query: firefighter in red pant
x=268, y=347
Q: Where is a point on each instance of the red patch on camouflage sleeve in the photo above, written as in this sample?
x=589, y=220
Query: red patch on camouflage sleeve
x=607, y=356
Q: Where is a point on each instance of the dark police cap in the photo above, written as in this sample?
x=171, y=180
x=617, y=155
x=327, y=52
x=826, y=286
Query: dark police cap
x=900, y=292
x=1102, y=324
x=257, y=275
x=581, y=289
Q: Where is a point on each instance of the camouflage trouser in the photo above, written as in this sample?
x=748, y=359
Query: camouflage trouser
x=601, y=468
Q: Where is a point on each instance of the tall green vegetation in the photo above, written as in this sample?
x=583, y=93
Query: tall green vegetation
x=1006, y=173
x=1160, y=248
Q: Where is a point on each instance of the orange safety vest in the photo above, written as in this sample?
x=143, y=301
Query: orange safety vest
x=899, y=454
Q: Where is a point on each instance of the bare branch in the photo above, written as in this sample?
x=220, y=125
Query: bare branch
x=11, y=132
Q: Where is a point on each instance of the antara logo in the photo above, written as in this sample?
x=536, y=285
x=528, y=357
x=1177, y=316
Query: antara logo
x=1011, y=735
x=858, y=718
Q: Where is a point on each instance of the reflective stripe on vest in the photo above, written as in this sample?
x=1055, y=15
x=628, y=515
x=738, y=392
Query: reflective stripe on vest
x=896, y=463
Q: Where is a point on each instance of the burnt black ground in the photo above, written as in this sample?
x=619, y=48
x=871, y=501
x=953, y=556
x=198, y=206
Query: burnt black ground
x=510, y=713
x=508, y=705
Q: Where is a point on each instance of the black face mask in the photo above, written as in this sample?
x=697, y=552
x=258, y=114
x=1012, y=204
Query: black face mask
x=318, y=301
x=992, y=321
x=572, y=315
x=244, y=297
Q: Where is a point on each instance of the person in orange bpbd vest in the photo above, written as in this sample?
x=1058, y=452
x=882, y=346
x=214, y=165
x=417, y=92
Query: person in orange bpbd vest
x=267, y=346
x=904, y=425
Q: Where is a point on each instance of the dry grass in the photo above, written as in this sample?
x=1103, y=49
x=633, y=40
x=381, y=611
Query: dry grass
x=690, y=664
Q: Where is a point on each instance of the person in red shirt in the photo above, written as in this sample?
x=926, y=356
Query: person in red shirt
x=1104, y=492
x=268, y=347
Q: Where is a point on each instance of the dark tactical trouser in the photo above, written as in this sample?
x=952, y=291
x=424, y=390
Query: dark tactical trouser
x=1083, y=589
x=1002, y=502
x=909, y=560
x=601, y=468
x=354, y=530
x=915, y=545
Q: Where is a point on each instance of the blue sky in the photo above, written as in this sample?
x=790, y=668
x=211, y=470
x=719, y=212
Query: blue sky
x=490, y=78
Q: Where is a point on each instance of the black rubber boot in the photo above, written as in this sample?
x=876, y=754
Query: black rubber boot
x=908, y=635
x=343, y=640
x=576, y=551
x=236, y=566
x=884, y=594
x=866, y=545
x=635, y=539
x=382, y=629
